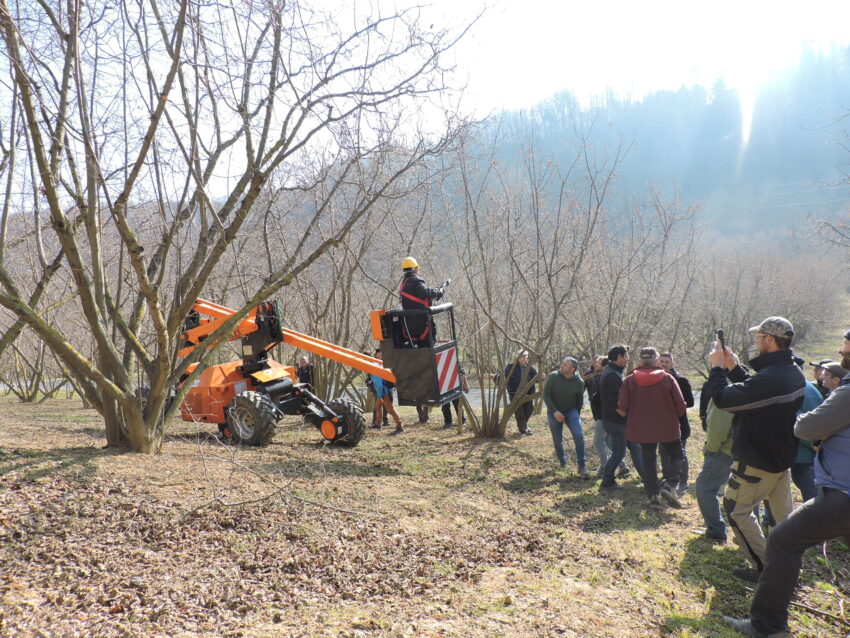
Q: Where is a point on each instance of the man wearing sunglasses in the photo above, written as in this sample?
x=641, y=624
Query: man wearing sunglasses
x=764, y=447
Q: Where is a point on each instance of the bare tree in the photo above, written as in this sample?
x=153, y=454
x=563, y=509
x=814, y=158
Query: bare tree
x=156, y=129
x=527, y=238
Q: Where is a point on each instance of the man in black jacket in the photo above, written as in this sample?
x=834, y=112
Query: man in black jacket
x=415, y=295
x=763, y=445
x=614, y=423
x=520, y=379
x=305, y=370
x=666, y=362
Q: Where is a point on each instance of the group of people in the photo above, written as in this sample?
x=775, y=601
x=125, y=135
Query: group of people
x=766, y=427
x=641, y=413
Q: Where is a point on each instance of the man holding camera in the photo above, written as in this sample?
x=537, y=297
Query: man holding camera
x=822, y=518
x=764, y=447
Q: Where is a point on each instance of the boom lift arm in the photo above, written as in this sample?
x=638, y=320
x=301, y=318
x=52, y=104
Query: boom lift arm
x=257, y=320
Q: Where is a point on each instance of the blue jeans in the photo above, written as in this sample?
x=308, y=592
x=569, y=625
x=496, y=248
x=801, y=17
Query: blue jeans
x=602, y=444
x=617, y=432
x=573, y=422
x=716, y=468
x=803, y=476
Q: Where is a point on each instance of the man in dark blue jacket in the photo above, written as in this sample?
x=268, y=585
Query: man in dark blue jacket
x=415, y=295
x=613, y=422
x=763, y=444
x=665, y=360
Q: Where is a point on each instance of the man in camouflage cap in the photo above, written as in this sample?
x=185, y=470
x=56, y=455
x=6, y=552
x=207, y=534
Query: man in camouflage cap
x=818, y=366
x=833, y=373
x=764, y=447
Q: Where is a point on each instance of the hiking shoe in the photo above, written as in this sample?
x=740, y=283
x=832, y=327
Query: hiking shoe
x=746, y=573
x=623, y=473
x=712, y=536
x=613, y=487
x=745, y=626
x=654, y=502
x=375, y=426
x=670, y=496
x=398, y=430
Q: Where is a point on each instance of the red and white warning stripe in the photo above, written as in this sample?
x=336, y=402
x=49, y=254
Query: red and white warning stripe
x=448, y=372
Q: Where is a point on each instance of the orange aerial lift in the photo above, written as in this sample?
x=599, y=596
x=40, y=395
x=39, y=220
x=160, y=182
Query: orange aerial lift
x=247, y=397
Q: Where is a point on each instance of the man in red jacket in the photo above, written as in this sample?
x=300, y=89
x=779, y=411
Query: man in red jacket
x=652, y=403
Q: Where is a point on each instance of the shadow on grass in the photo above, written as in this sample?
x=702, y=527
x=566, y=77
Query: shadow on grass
x=93, y=432
x=33, y=465
x=529, y=482
x=707, y=566
x=612, y=512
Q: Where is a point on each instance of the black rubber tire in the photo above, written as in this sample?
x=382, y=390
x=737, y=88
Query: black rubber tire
x=251, y=418
x=354, y=425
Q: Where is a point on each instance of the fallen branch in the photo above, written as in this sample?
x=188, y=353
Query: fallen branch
x=282, y=491
x=814, y=610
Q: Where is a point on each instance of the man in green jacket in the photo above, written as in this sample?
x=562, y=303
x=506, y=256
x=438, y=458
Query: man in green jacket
x=716, y=468
x=563, y=394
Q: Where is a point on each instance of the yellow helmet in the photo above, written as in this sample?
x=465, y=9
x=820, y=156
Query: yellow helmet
x=409, y=262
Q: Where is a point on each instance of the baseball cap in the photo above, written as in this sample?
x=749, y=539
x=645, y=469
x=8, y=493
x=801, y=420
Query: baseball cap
x=835, y=369
x=819, y=363
x=648, y=353
x=775, y=327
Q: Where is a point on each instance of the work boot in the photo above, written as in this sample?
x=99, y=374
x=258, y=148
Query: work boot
x=745, y=627
x=669, y=495
x=711, y=536
x=398, y=430
x=746, y=573
x=609, y=487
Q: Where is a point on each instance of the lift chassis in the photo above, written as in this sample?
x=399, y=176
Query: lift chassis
x=247, y=397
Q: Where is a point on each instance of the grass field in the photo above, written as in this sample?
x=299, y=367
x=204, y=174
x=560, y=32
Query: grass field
x=426, y=534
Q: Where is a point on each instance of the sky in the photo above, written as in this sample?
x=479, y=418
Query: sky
x=522, y=51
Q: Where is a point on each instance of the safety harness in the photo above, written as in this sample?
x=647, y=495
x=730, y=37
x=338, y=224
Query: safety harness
x=419, y=300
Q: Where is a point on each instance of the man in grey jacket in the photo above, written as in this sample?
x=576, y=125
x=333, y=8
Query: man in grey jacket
x=822, y=518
